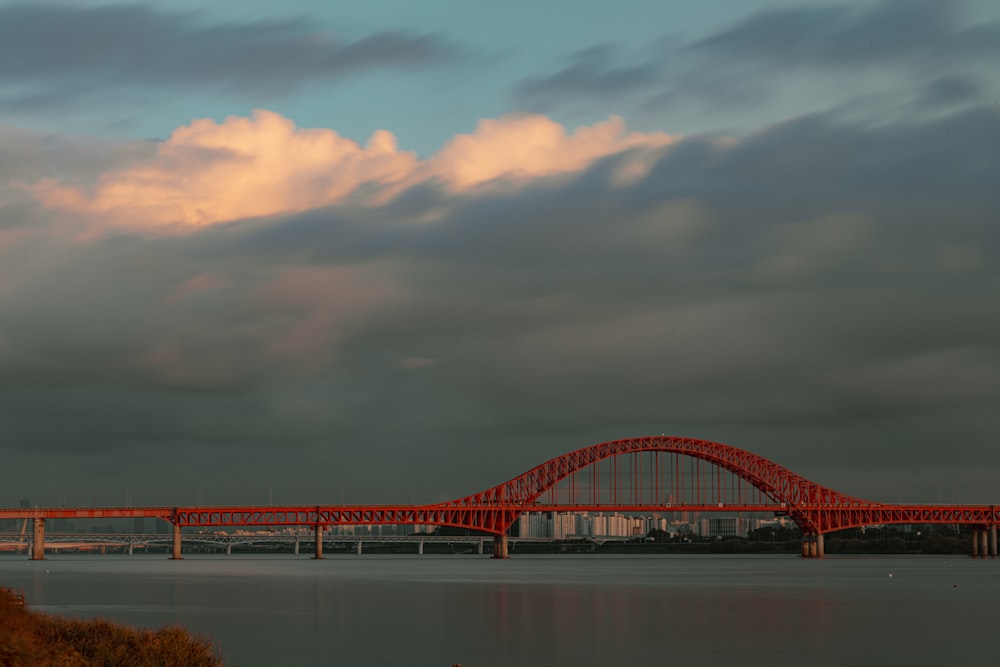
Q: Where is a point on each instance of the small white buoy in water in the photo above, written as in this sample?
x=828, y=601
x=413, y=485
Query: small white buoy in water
x=890, y=575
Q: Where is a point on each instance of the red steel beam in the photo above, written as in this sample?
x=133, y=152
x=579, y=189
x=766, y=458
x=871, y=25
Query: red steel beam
x=815, y=508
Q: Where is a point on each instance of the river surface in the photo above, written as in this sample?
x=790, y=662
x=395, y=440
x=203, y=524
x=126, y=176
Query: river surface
x=576, y=611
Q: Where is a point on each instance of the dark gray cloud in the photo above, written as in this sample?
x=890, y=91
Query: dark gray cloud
x=810, y=57
x=821, y=292
x=86, y=53
x=914, y=31
x=594, y=72
x=950, y=91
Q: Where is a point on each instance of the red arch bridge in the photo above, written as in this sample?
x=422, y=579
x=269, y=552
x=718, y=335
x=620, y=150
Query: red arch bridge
x=636, y=475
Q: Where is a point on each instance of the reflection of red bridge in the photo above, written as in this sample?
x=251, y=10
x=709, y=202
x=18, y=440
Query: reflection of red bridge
x=652, y=474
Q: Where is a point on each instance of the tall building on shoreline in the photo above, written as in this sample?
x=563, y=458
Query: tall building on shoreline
x=568, y=525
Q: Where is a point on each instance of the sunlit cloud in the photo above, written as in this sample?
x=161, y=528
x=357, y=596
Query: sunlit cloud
x=210, y=172
x=525, y=146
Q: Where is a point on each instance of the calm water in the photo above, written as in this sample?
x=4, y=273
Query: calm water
x=542, y=610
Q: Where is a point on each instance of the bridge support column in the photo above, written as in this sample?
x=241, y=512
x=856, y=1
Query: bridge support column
x=38, y=539
x=229, y=548
x=985, y=547
x=481, y=540
x=420, y=548
x=130, y=546
x=812, y=546
x=359, y=546
x=993, y=541
x=296, y=545
x=176, y=555
x=500, y=546
x=319, y=542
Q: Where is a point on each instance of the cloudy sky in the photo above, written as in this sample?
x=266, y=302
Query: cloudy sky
x=397, y=251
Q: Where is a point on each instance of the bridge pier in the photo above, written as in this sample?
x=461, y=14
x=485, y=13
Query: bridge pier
x=229, y=548
x=500, y=546
x=38, y=539
x=359, y=546
x=318, y=530
x=176, y=550
x=481, y=540
x=812, y=546
x=130, y=545
x=296, y=545
x=984, y=542
x=420, y=548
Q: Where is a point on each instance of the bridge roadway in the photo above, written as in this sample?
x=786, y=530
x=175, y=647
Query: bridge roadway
x=816, y=509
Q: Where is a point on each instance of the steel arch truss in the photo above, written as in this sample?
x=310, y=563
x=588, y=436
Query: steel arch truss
x=790, y=490
x=815, y=508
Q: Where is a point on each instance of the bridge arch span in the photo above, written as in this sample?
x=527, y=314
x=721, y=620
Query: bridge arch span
x=793, y=491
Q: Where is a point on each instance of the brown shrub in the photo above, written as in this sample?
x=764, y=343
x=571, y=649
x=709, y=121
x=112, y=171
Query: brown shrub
x=29, y=639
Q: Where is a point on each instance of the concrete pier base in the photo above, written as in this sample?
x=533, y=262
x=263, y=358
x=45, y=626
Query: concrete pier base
x=319, y=542
x=38, y=539
x=359, y=547
x=296, y=546
x=500, y=546
x=984, y=546
x=975, y=543
x=993, y=541
x=176, y=552
x=420, y=548
x=130, y=548
x=812, y=546
x=229, y=548
x=481, y=541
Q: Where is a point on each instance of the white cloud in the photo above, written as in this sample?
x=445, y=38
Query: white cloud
x=209, y=172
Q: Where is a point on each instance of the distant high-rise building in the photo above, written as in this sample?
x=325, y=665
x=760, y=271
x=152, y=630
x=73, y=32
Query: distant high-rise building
x=534, y=524
x=24, y=503
x=726, y=526
x=563, y=525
